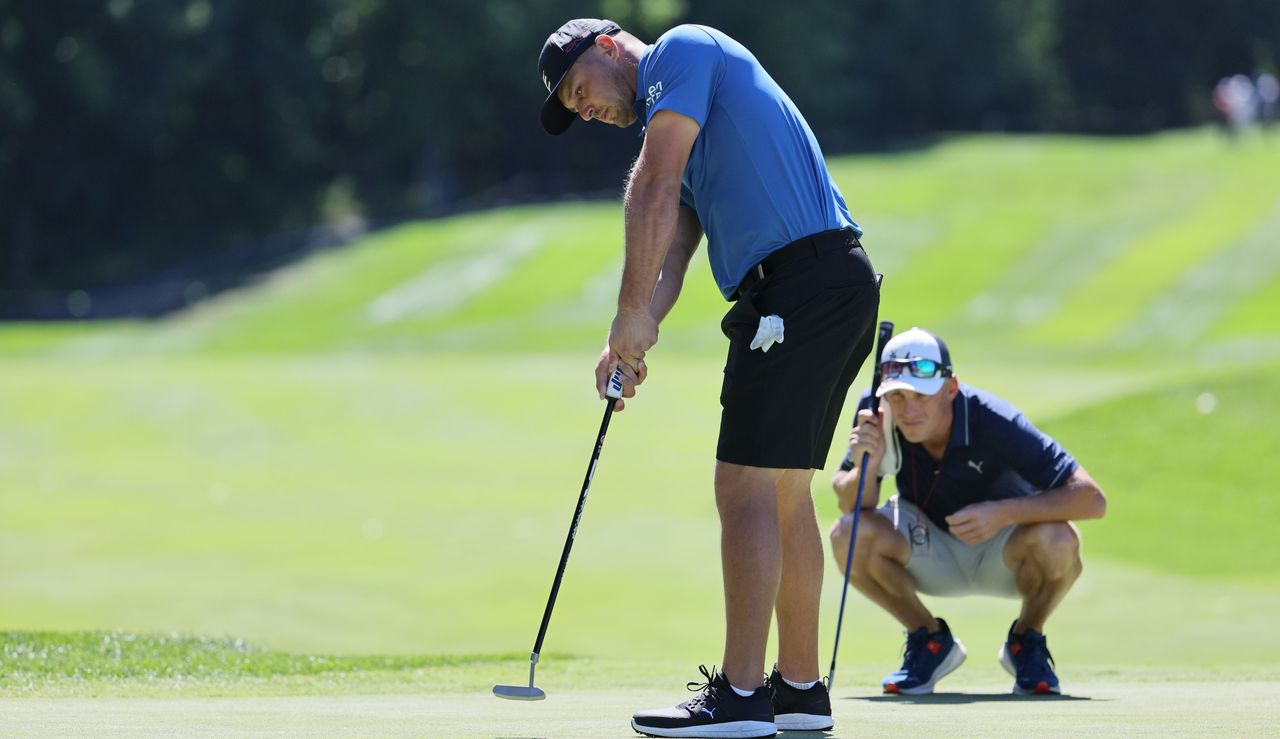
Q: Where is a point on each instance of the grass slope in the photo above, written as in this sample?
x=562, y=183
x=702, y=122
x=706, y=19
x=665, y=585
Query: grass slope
x=1049, y=245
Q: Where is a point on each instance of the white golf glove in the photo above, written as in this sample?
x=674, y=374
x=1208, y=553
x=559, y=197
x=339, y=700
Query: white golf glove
x=769, y=333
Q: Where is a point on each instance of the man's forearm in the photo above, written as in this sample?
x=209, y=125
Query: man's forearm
x=652, y=210
x=1079, y=499
x=676, y=264
x=846, y=486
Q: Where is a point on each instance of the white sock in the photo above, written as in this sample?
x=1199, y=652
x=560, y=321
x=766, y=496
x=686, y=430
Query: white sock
x=799, y=686
x=741, y=692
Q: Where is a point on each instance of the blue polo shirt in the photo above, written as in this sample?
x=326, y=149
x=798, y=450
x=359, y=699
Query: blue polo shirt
x=755, y=176
x=994, y=453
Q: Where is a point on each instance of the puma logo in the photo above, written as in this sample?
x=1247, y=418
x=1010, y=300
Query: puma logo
x=711, y=712
x=976, y=465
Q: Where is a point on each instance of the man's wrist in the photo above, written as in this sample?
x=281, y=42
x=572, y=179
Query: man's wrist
x=1007, y=513
x=633, y=307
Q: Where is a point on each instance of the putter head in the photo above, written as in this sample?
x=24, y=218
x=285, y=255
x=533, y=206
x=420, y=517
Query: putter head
x=519, y=692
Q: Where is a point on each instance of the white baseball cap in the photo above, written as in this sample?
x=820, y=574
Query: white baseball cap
x=899, y=360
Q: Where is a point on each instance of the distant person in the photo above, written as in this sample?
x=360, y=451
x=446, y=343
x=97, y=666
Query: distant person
x=1222, y=105
x=1268, y=91
x=726, y=152
x=984, y=505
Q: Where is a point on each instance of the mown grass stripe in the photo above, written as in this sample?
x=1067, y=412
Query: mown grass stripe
x=1256, y=315
x=1123, y=287
x=1101, y=225
x=1213, y=287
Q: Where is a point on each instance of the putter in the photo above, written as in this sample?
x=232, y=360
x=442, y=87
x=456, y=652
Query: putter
x=528, y=692
x=885, y=332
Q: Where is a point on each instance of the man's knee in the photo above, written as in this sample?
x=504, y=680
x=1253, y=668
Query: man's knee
x=1054, y=547
x=869, y=540
x=740, y=488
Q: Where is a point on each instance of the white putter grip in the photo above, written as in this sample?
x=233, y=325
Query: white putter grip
x=614, y=388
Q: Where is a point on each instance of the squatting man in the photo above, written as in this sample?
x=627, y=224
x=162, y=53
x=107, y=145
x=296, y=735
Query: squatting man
x=985, y=504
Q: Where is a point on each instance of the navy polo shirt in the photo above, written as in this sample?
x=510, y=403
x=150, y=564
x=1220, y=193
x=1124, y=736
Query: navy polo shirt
x=994, y=453
x=756, y=176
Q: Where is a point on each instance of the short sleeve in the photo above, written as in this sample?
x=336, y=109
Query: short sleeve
x=1037, y=457
x=686, y=197
x=683, y=70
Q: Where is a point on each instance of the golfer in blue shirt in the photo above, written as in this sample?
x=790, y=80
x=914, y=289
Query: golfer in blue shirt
x=985, y=505
x=727, y=154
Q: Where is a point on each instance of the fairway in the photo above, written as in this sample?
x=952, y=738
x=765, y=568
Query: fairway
x=331, y=502
x=1106, y=708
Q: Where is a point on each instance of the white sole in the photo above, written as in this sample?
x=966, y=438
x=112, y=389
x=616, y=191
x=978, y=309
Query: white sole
x=948, y=666
x=802, y=722
x=738, y=729
x=1006, y=661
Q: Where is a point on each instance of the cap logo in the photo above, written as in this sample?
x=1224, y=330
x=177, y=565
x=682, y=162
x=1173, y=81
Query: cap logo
x=546, y=81
x=575, y=42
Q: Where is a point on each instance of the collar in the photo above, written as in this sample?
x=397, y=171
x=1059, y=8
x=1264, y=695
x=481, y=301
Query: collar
x=959, y=421
x=641, y=107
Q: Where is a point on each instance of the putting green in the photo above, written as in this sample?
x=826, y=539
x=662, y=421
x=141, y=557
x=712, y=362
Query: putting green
x=1137, y=704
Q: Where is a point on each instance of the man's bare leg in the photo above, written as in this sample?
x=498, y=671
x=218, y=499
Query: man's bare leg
x=1045, y=560
x=800, y=586
x=751, y=559
x=880, y=568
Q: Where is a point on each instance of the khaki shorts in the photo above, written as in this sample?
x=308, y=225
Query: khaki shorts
x=947, y=566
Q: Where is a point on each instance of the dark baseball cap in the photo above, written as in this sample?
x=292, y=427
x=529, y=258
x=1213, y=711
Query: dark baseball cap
x=559, y=53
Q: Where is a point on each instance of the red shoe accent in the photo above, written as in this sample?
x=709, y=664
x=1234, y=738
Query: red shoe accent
x=891, y=688
x=1015, y=647
x=934, y=647
x=1042, y=688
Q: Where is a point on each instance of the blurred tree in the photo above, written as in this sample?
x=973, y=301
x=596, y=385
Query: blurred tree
x=1146, y=64
x=141, y=136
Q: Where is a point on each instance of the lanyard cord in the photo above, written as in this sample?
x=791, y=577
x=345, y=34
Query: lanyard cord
x=937, y=475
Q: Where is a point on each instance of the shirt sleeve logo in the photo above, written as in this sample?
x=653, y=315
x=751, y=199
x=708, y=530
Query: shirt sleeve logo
x=655, y=92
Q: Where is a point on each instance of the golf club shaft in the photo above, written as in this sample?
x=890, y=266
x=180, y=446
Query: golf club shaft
x=884, y=333
x=610, y=401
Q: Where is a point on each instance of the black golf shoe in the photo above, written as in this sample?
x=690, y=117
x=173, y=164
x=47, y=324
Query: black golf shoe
x=799, y=710
x=716, y=711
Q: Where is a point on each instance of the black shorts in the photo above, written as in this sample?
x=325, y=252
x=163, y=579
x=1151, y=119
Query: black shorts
x=781, y=407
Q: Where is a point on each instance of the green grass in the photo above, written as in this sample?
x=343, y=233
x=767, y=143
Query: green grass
x=128, y=664
x=376, y=450
x=1191, y=470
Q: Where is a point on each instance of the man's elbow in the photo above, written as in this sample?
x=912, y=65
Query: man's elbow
x=1097, y=503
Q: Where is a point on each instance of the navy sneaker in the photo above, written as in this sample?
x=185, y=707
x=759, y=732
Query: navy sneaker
x=1026, y=657
x=716, y=711
x=928, y=659
x=799, y=710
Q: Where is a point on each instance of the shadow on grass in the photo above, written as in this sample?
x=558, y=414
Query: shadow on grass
x=964, y=698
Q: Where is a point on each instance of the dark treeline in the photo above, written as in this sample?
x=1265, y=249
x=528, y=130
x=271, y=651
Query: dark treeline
x=138, y=137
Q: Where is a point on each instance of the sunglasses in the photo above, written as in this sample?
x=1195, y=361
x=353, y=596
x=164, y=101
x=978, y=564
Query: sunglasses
x=922, y=368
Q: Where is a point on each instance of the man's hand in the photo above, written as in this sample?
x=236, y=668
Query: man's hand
x=977, y=523
x=607, y=363
x=632, y=334
x=868, y=437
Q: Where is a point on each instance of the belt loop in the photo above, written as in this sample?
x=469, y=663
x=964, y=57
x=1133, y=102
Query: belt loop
x=760, y=270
